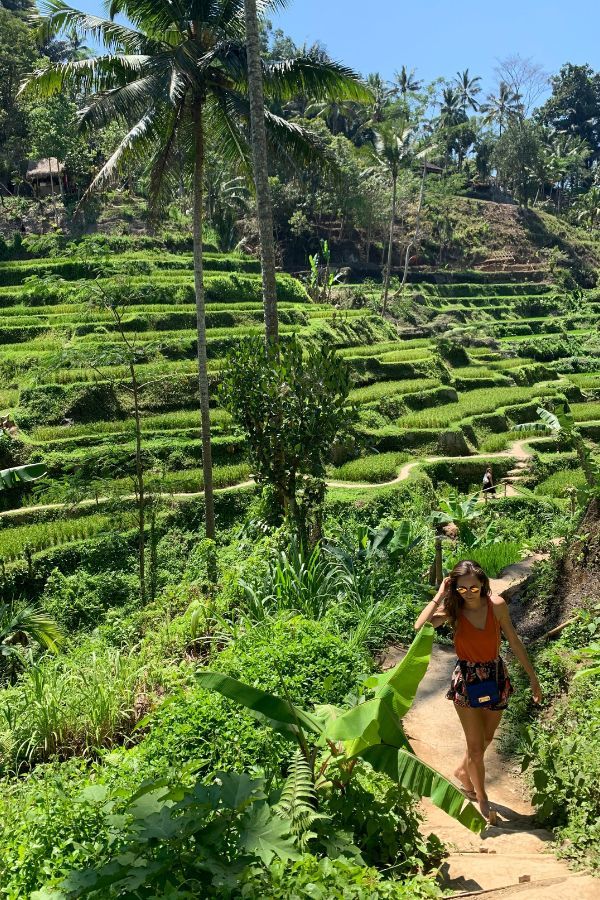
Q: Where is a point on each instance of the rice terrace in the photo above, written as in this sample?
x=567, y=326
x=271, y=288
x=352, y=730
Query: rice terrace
x=299, y=459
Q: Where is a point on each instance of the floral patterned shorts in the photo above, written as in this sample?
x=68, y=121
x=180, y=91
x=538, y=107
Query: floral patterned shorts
x=472, y=673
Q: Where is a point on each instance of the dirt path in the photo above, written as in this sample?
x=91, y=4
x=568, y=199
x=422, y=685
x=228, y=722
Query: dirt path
x=492, y=864
x=516, y=451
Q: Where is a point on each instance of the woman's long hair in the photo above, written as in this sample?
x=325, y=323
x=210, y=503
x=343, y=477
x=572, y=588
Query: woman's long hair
x=453, y=602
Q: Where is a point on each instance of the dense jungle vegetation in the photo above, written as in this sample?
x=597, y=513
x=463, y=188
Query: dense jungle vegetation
x=264, y=322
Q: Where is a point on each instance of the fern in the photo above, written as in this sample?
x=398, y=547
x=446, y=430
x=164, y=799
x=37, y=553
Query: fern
x=298, y=801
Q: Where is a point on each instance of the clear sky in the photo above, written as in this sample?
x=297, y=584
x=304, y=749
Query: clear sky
x=438, y=38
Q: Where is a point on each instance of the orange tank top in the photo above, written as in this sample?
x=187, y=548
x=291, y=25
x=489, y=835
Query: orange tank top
x=477, y=644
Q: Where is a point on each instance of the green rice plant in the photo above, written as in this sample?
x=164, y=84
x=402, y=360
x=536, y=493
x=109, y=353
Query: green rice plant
x=491, y=557
x=378, y=468
x=586, y=412
x=560, y=483
x=495, y=443
x=16, y=540
x=471, y=403
x=391, y=388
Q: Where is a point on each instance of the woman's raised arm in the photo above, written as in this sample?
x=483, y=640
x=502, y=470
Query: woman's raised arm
x=432, y=612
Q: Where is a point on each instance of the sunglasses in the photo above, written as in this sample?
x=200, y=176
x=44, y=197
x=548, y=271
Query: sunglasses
x=472, y=590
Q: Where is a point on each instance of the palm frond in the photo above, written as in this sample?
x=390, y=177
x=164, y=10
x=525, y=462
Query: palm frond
x=57, y=17
x=33, y=623
x=89, y=75
x=132, y=101
x=167, y=164
x=138, y=139
x=313, y=78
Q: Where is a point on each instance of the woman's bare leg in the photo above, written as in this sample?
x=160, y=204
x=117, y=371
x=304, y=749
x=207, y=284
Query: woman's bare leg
x=491, y=722
x=472, y=722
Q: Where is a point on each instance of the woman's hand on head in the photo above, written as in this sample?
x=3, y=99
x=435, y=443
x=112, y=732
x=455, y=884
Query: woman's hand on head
x=444, y=588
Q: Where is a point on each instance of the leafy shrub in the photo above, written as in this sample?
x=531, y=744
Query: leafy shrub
x=383, y=820
x=317, y=667
x=81, y=600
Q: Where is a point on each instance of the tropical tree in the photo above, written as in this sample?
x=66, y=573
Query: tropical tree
x=406, y=81
x=264, y=206
x=468, y=88
x=176, y=74
x=566, y=155
x=393, y=148
x=501, y=106
x=587, y=208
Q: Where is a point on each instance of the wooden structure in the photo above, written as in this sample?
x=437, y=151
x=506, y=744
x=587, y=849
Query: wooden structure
x=46, y=176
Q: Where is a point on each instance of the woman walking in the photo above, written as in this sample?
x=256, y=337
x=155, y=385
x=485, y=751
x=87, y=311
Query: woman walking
x=480, y=685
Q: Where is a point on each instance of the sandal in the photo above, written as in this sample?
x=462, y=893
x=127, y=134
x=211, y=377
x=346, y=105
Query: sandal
x=470, y=794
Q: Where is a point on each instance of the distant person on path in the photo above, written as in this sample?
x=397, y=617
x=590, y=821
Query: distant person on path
x=489, y=489
x=480, y=685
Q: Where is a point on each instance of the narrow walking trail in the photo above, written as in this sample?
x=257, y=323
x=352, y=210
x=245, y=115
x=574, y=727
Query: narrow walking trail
x=516, y=451
x=512, y=859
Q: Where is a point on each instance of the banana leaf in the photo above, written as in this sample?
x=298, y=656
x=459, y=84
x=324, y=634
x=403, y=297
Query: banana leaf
x=267, y=706
x=377, y=721
x=423, y=781
x=11, y=477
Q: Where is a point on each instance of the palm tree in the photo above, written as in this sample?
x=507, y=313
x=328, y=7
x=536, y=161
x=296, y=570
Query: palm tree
x=501, y=107
x=467, y=88
x=407, y=83
x=393, y=146
x=451, y=110
x=264, y=206
x=19, y=626
x=176, y=74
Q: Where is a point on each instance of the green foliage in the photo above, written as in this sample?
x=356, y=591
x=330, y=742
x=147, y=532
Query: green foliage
x=82, y=600
x=291, y=406
x=371, y=730
x=332, y=879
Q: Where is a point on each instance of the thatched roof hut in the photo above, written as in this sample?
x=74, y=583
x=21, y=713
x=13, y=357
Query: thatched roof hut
x=42, y=173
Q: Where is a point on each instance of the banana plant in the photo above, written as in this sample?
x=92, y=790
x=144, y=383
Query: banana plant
x=10, y=478
x=460, y=512
x=372, y=730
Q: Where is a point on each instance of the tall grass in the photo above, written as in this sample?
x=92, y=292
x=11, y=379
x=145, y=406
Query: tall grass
x=492, y=558
x=68, y=706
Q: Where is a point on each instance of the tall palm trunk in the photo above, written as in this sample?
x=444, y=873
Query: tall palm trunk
x=388, y=268
x=264, y=207
x=209, y=506
x=415, y=238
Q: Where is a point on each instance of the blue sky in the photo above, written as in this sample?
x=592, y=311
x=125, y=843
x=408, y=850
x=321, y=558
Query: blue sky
x=437, y=38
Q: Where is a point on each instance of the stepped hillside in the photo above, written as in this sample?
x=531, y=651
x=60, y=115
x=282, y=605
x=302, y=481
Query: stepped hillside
x=477, y=359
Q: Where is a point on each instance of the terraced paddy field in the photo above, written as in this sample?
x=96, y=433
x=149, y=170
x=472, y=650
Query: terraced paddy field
x=479, y=359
